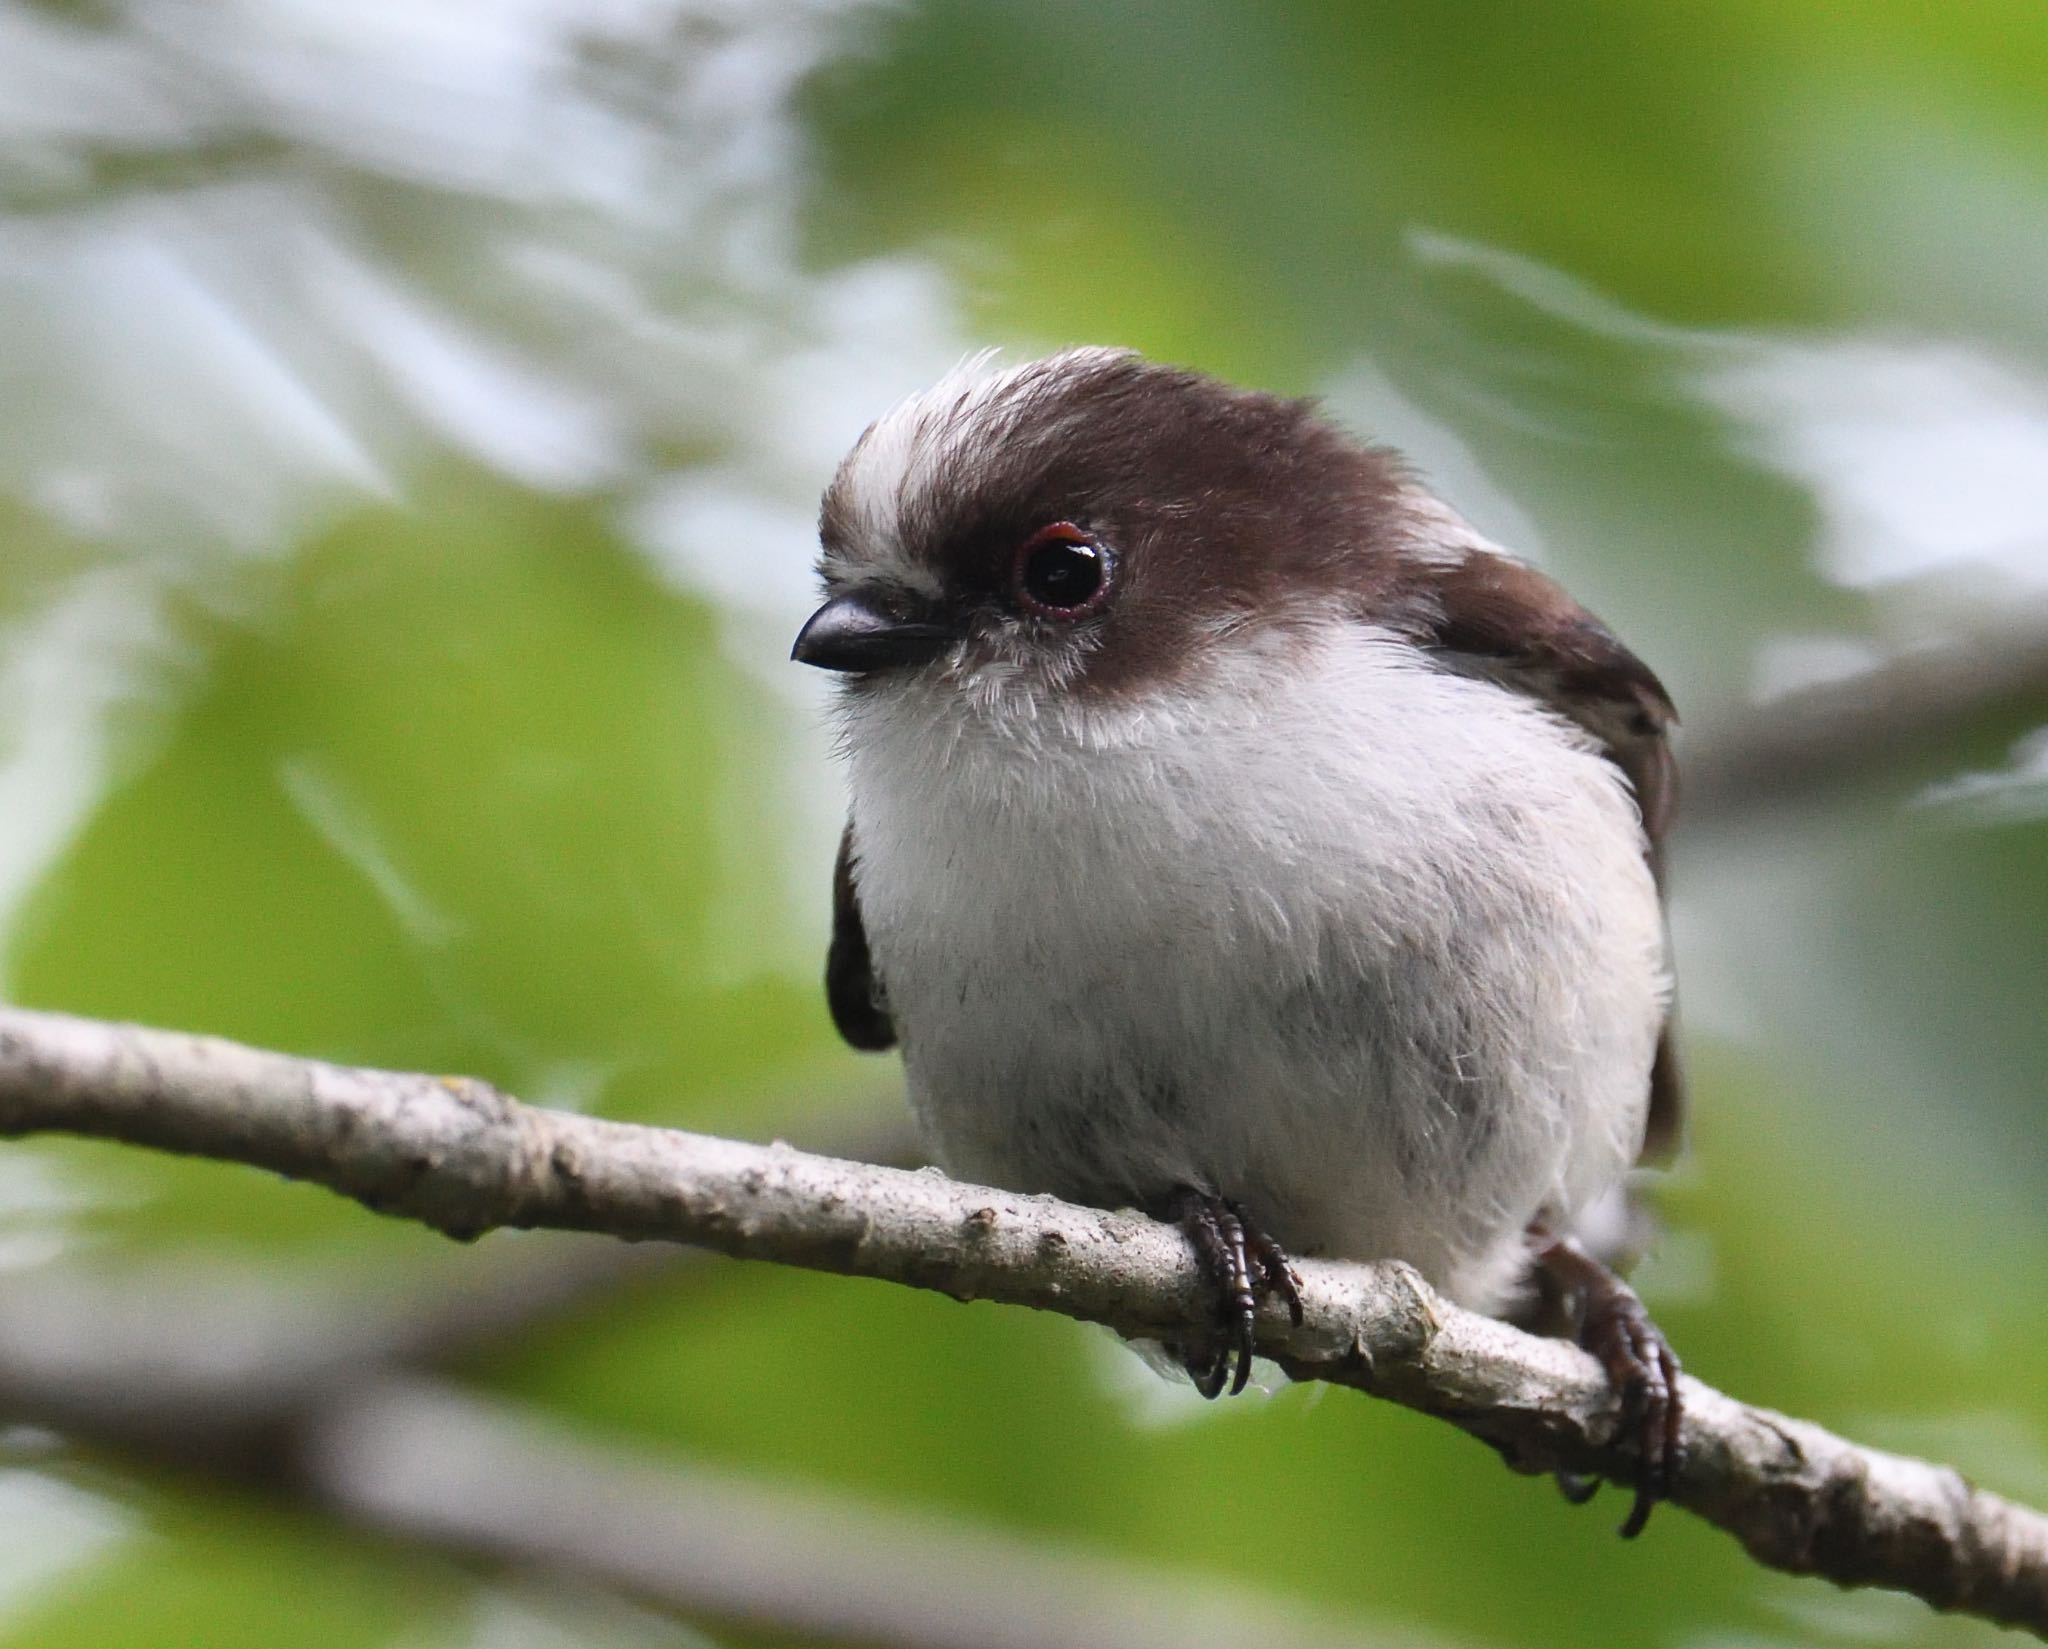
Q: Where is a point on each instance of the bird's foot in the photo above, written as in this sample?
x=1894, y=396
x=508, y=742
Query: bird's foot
x=1246, y=1266
x=1616, y=1328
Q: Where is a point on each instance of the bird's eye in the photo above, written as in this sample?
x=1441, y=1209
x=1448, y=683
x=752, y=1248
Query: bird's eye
x=1061, y=572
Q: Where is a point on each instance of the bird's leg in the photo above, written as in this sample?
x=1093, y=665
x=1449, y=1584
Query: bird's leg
x=1613, y=1325
x=1246, y=1265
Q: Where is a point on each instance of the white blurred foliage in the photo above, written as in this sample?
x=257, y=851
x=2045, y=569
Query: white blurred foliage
x=1788, y=663
x=45, y=1212
x=1922, y=457
x=66, y=669
x=552, y=234
x=1927, y=459
x=53, y=1530
x=555, y=238
x=2018, y=791
x=165, y=393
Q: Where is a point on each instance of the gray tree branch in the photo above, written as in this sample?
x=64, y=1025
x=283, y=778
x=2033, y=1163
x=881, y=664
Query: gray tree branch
x=225, y=1376
x=462, y=1157
x=1901, y=719
x=431, y=1463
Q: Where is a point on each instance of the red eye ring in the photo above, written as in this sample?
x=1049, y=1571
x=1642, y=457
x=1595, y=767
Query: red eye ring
x=1060, y=572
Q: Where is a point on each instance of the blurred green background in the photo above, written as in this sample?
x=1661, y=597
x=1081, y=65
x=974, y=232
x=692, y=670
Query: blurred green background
x=411, y=420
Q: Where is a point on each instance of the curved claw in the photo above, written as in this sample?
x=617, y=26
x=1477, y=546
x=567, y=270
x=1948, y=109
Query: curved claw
x=1210, y=1376
x=1657, y=1410
x=1616, y=1328
x=1577, y=1487
x=1246, y=1266
x=1276, y=1277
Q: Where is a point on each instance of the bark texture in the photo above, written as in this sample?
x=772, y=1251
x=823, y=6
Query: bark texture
x=460, y=1156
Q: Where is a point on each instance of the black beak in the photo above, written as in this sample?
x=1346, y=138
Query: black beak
x=854, y=632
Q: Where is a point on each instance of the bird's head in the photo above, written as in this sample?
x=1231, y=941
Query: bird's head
x=1093, y=529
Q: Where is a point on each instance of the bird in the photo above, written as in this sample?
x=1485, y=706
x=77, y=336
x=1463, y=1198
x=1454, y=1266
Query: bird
x=1237, y=834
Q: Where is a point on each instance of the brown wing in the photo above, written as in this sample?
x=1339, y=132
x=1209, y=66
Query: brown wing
x=852, y=991
x=1511, y=624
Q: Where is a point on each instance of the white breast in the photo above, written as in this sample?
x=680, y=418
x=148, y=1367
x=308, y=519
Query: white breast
x=1367, y=945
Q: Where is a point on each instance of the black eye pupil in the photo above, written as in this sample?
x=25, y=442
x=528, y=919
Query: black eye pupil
x=1063, y=575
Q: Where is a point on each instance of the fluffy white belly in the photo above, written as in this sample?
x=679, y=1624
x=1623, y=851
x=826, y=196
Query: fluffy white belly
x=1369, y=947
